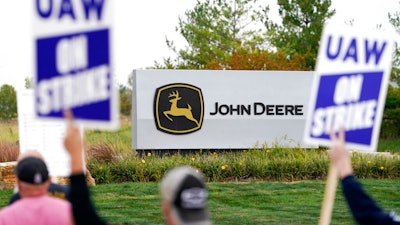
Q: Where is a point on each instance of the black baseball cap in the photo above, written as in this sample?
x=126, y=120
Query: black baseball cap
x=32, y=170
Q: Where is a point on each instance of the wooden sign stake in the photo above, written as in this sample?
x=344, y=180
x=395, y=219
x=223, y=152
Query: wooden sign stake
x=329, y=197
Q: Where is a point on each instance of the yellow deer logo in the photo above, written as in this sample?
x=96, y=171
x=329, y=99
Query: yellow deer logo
x=175, y=111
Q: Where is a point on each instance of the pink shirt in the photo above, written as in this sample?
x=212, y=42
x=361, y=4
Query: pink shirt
x=42, y=210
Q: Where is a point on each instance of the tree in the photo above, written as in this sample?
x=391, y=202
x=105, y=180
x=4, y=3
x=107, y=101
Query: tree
x=391, y=116
x=8, y=102
x=28, y=82
x=395, y=74
x=258, y=59
x=214, y=30
x=301, y=28
x=125, y=99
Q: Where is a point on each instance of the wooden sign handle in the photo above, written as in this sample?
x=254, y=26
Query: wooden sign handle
x=329, y=197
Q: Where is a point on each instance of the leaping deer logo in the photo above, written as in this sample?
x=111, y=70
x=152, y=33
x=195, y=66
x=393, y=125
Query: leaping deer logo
x=175, y=111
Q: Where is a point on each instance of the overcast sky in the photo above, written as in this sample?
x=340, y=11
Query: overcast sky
x=140, y=28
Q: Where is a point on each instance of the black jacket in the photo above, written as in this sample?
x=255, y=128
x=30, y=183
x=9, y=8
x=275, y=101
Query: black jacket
x=82, y=206
x=55, y=190
x=364, y=209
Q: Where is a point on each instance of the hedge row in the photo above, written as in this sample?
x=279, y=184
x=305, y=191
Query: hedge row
x=249, y=165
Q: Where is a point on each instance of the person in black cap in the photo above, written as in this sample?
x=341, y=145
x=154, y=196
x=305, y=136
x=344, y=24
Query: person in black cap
x=184, y=197
x=35, y=205
x=56, y=190
x=363, y=208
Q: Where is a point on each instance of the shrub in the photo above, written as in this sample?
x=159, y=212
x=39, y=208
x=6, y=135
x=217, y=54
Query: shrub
x=249, y=165
x=8, y=102
x=102, y=152
x=9, y=151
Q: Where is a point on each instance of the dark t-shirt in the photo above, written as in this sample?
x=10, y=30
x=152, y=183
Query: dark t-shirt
x=55, y=190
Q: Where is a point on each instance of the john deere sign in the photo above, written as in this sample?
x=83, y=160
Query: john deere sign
x=203, y=109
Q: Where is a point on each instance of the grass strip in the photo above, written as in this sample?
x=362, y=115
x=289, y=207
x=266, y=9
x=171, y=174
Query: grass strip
x=234, y=203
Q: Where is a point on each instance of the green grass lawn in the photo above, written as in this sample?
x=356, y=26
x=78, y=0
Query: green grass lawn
x=392, y=146
x=9, y=131
x=237, y=203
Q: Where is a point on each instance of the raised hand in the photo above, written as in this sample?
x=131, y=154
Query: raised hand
x=339, y=155
x=74, y=144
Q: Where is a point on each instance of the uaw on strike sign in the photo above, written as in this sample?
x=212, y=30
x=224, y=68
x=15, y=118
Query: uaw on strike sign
x=350, y=85
x=72, y=41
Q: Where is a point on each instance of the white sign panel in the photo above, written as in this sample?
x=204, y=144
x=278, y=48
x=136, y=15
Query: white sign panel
x=43, y=136
x=350, y=86
x=72, y=45
x=200, y=109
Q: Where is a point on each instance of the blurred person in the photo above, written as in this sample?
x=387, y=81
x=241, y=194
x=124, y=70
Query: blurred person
x=183, y=189
x=83, y=209
x=363, y=208
x=55, y=190
x=35, y=206
x=184, y=197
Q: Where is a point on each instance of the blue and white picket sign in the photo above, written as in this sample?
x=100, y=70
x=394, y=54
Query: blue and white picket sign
x=350, y=85
x=73, y=61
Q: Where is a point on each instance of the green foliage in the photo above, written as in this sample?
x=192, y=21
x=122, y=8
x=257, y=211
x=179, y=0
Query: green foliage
x=389, y=145
x=395, y=74
x=301, y=28
x=373, y=166
x=125, y=100
x=214, y=30
x=264, y=60
x=391, y=115
x=8, y=102
x=275, y=164
x=9, y=131
x=28, y=82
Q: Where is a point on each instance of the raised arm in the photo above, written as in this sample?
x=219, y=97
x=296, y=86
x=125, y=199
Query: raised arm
x=82, y=206
x=74, y=145
x=363, y=208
